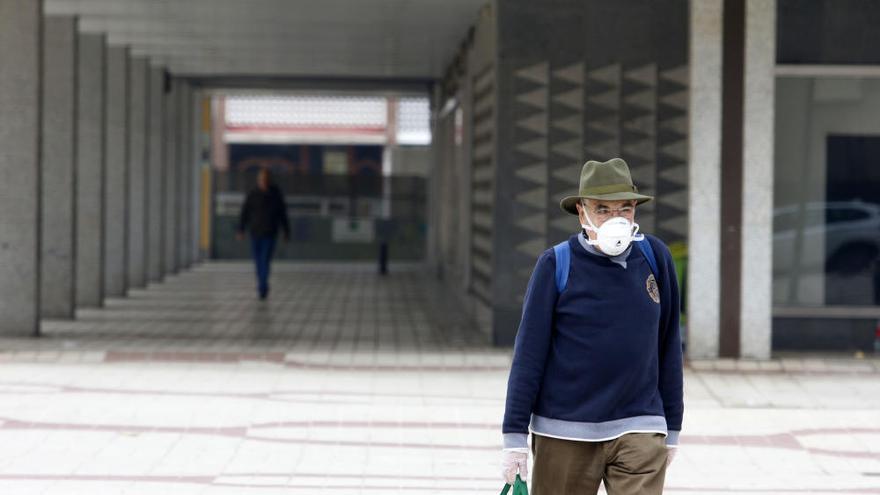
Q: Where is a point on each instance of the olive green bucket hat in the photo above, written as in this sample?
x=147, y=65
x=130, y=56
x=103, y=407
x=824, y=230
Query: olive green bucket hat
x=609, y=180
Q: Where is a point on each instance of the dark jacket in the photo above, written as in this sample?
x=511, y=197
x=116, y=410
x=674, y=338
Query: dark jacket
x=263, y=213
x=601, y=352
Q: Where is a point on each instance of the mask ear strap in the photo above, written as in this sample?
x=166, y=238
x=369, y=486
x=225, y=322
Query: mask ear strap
x=589, y=225
x=635, y=235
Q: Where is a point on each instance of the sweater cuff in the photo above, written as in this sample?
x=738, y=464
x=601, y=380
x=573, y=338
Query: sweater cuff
x=672, y=438
x=516, y=440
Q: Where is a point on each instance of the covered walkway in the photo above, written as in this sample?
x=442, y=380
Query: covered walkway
x=315, y=310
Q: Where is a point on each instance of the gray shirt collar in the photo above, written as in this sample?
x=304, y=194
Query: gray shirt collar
x=620, y=259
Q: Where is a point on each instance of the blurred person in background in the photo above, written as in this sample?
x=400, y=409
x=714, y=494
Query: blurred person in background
x=263, y=214
x=597, y=364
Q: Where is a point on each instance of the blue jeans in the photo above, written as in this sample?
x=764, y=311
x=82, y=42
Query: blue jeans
x=261, y=250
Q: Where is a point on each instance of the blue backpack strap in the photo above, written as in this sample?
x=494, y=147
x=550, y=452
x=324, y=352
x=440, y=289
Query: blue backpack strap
x=648, y=251
x=563, y=258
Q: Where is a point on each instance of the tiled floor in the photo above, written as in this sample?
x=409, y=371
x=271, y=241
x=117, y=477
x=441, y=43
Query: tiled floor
x=345, y=383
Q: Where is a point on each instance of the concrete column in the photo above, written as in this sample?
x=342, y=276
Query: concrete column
x=90, y=171
x=184, y=164
x=704, y=179
x=20, y=97
x=203, y=136
x=197, y=155
x=58, y=144
x=155, y=175
x=138, y=100
x=757, y=196
x=189, y=150
x=170, y=206
x=116, y=174
x=432, y=209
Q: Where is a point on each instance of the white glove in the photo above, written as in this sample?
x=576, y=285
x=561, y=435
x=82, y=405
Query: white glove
x=670, y=454
x=513, y=461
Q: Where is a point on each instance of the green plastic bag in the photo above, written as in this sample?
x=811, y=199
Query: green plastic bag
x=519, y=487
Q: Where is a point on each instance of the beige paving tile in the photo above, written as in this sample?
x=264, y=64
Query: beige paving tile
x=344, y=383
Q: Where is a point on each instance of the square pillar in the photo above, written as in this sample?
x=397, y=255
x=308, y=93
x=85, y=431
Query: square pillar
x=184, y=165
x=171, y=209
x=138, y=100
x=207, y=120
x=20, y=99
x=116, y=174
x=756, y=295
x=90, y=171
x=58, y=210
x=704, y=180
x=155, y=174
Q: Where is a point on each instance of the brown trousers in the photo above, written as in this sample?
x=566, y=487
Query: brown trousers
x=632, y=464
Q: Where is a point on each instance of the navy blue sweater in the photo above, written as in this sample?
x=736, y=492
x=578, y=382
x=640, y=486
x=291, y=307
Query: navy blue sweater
x=601, y=358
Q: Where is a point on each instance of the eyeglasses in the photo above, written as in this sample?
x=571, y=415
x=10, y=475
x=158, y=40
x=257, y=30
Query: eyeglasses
x=603, y=211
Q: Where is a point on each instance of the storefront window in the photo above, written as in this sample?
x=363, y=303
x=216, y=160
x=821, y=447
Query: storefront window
x=826, y=231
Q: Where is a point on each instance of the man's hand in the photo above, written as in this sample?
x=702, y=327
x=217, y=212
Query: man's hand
x=239, y=235
x=670, y=455
x=514, y=461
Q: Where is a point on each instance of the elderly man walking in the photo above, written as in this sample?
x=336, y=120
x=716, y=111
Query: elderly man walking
x=597, y=365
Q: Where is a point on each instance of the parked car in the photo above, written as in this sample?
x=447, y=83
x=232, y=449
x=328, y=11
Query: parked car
x=839, y=236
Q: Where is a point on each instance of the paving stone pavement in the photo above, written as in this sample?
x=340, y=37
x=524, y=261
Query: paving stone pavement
x=348, y=383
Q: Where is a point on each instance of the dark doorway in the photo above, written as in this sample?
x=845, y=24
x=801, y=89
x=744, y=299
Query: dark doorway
x=852, y=220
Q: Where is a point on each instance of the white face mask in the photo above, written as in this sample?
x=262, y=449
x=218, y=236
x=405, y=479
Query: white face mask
x=614, y=236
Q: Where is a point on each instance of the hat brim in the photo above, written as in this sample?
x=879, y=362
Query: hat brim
x=569, y=204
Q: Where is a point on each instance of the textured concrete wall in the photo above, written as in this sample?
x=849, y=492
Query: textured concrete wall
x=138, y=101
x=155, y=175
x=58, y=270
x=116, y=174
x=90, y=171
x=170, y=206
x=20, y=95
x=461, y=178
x=566, y=93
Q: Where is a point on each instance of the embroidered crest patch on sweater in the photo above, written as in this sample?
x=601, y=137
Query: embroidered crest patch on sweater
x=653, y=291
